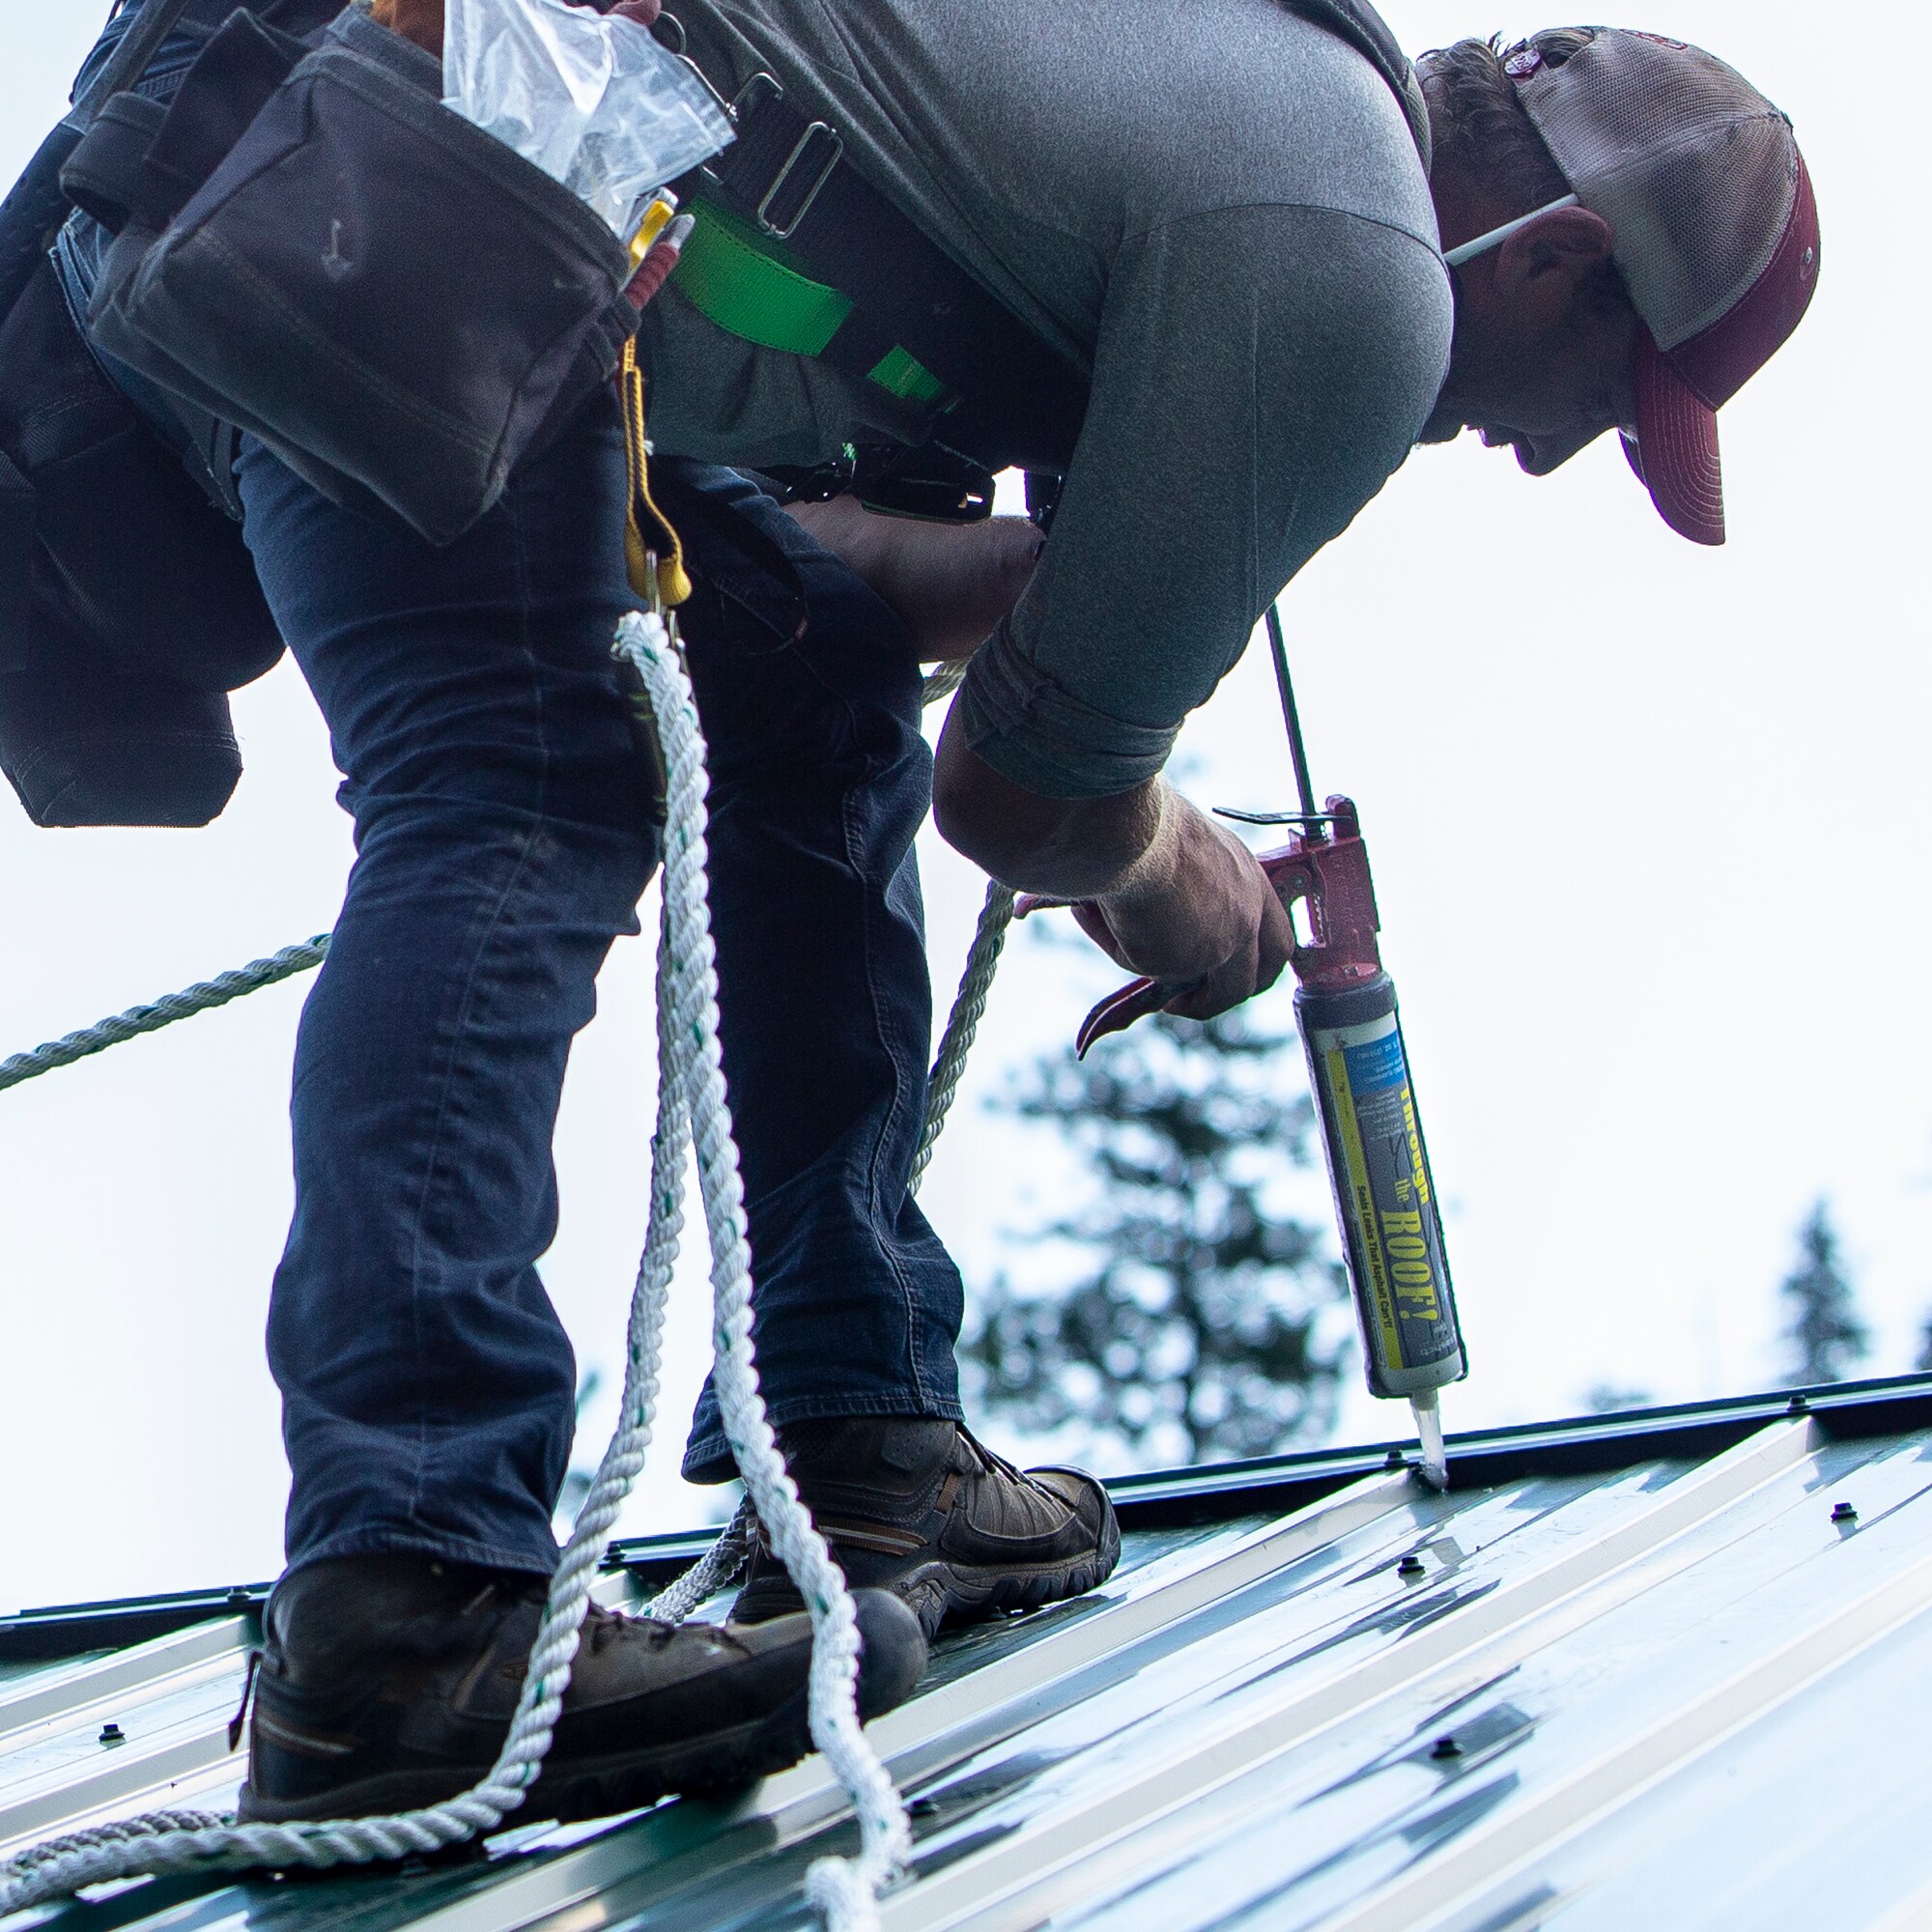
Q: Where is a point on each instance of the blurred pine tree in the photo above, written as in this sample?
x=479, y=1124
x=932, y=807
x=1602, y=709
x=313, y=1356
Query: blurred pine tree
x=1826, y=1337
x=1198, y=1327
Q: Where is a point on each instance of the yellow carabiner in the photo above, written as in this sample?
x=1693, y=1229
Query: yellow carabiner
x=659, y=579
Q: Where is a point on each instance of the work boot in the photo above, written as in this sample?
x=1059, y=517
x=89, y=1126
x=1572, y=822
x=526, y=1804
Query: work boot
x=922, y=1509
x=388, y=1682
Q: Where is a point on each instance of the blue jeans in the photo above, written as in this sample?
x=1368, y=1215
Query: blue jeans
x=501, y=843
x=820, y=780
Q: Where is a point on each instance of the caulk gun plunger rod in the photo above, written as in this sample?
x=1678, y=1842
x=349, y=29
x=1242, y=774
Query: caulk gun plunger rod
x=1278, y=650
x=1384, y=1203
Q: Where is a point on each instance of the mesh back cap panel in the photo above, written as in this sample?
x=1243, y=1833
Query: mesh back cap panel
x=1693, y=169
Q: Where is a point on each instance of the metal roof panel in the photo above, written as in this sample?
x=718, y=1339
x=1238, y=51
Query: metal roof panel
x=1619, y=1674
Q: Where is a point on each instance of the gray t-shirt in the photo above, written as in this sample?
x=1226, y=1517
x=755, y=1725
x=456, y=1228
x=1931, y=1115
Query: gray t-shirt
x=1216, y=209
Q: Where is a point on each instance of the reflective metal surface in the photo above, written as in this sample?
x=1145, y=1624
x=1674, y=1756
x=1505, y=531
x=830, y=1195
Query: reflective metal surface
x=1686, y=1692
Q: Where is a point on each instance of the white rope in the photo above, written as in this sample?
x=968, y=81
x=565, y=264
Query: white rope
x=293, y=959
x=943, y=682
x=711, y=1573
x=164, y=1012
x=692, y=1111
x=969, y=1004
x=846, y=1894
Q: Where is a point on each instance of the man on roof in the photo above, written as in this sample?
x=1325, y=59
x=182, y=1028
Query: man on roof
x=1250, y=277
x=1225, y=226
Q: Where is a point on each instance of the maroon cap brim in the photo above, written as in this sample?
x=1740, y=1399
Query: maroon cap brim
x=1675, y=453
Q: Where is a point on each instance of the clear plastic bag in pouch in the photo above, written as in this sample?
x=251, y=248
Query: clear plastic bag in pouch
x=593, y=101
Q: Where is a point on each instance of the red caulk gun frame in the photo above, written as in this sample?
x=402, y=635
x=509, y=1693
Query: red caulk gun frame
x=1386, y=1207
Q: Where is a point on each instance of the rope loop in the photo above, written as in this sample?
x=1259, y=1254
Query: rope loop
x=693, y=1115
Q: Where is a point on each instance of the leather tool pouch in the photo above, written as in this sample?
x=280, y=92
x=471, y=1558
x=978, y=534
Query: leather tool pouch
x=394, y=302
x=129, y=604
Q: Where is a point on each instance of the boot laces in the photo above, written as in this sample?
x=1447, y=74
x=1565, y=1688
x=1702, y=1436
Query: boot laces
x=992, y=1462
x=240, y=1720
x=603, y=1627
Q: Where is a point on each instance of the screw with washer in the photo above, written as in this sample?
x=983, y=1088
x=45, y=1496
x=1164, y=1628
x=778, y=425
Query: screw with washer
x=113, y=1734
x=1410, y=1566
x=1844, y=1513
x=1445, y=1748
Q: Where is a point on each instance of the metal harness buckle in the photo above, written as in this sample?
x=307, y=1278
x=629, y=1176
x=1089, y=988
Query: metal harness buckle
x=760, y=91
x=832, y=146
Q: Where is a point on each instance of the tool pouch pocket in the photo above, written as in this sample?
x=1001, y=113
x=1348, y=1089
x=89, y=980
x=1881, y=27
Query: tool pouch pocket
x=129, y=604
x=87, y=738
x=393, y=301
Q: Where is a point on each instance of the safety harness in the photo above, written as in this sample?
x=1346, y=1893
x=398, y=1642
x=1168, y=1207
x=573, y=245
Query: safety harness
x=793, y=249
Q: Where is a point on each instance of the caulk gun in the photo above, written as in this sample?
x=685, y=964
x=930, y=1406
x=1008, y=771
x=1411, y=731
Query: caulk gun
x=1345, y=1006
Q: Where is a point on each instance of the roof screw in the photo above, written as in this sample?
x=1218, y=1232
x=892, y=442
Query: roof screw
x=1395, y=1460
x=1445, y=1748
x=1410, y=1566
x=113, y=1734
x=241, y=1598
x=1844, y=1513
x=1798, y=1406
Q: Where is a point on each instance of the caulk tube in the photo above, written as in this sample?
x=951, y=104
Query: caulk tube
x=1384, y=1198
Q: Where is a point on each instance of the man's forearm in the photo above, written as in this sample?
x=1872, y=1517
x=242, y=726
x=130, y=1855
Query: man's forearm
x=1158, y=886
x=1064, y=848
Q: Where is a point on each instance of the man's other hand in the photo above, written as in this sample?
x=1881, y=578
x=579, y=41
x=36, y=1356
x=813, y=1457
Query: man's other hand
x=422, y=21
x=950, y=584
x=418, y=20
x=1157, y=884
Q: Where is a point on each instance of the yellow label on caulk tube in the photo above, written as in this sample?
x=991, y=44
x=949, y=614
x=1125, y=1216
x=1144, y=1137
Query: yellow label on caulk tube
x=1384, y=1200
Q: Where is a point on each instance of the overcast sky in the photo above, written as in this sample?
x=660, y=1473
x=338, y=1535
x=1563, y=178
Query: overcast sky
x=1649, y=824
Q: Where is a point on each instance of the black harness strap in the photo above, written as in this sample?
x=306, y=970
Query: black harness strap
x=1019, y=402
x=1015, y=400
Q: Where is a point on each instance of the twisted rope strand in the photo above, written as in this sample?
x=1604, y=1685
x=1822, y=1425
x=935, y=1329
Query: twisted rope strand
x=692, y=1112
x=943, y=682
x=847, y=1893
x=969, y=1005
x=712, y=1571
x=165, y=1012
x=936, y=685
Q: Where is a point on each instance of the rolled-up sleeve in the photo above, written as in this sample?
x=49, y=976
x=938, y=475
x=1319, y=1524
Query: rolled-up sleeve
x=1259, y=374
x=1035, y=731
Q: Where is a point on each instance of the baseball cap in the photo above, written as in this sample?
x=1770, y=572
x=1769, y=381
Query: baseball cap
x=1715, y=232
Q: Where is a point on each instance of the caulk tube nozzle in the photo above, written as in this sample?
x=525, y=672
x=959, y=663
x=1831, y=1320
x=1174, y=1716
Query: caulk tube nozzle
x=1428, y=1434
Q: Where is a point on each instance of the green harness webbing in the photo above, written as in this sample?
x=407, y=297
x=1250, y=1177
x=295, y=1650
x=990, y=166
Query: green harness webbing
x=743, y=281
x=796, y=251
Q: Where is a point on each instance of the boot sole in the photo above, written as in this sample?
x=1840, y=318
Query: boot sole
x=893, y=1659
x=720, y=1761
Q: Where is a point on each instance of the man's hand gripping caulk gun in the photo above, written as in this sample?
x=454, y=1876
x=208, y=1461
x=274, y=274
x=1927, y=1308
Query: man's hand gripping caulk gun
x=1345, y=1006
